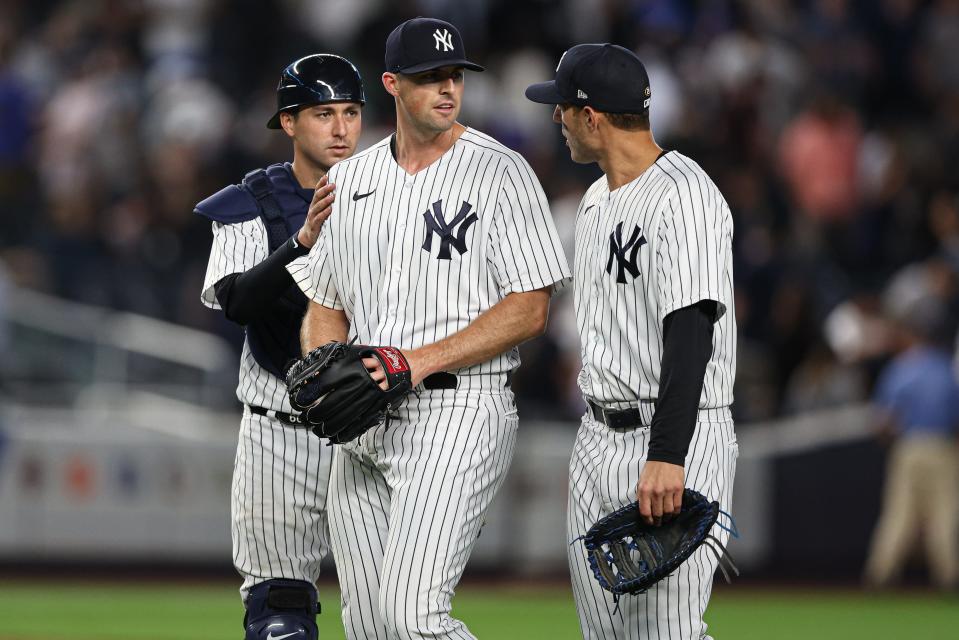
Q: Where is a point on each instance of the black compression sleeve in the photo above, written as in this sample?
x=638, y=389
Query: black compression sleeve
x=244, y=296
x=687, y=347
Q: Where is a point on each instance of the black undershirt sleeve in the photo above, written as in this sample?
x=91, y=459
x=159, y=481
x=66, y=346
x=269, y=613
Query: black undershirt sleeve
x=244, y=296
x=687, y=347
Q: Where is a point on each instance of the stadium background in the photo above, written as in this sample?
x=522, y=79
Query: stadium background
x=831, y=126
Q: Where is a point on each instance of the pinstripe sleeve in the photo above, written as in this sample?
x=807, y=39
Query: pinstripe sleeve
x=524, y=244
x=694, y=245
x=236, y=248
x=313, y=273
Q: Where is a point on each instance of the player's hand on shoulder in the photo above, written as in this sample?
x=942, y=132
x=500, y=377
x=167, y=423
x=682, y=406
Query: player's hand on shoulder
x=660, y=491
x=320, y=209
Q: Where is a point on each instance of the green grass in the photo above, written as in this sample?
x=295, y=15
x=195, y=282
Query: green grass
x=40, y=611
x=831, y=615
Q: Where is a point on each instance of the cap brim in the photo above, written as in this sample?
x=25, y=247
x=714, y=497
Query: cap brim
x=436, y=64
x=545, y=93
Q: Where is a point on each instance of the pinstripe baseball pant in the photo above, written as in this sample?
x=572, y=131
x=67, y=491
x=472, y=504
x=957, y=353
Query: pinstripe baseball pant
x=604, y=470
x=280, y=481
x=407, y=502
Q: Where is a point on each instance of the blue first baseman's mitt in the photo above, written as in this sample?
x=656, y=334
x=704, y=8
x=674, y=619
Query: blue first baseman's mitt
x=629, y=556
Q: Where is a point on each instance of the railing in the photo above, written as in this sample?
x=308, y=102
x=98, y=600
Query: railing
x=82, y=346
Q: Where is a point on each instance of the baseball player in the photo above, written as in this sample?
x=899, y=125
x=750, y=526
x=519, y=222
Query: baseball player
x=441, y=244
x=281, y=472
x=654, y=307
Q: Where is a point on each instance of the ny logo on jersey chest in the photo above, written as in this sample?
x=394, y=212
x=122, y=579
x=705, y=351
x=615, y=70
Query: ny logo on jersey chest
x=618, y=252
x=436, y=223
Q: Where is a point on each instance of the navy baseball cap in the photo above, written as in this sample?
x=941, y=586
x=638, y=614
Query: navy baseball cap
x=422, y=44
x=606, y=77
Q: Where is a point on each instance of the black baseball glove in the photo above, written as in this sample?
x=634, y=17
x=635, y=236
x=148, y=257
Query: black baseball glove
x=627, y=555
x=335, y=394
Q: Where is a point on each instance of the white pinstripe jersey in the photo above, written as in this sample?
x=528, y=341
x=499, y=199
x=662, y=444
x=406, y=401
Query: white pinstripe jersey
x=652, y=246
x=237, y=248
x=413, y=259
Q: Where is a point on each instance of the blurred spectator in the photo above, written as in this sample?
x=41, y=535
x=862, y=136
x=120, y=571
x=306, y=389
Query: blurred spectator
x=822, y=382
x=819, y=152
x=918, y=400
x=16, y=106
x=17, y=123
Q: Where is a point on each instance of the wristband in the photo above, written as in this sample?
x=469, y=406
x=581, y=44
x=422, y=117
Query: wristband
x=298, y=248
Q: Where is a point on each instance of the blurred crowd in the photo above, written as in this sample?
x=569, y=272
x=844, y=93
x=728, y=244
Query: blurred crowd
x=831, y=126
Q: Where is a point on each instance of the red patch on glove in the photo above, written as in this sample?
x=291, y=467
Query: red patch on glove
x=393, y=359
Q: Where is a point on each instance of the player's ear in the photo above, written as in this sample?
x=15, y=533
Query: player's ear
x=287, y=121
x=390, y=82
x=591, y=118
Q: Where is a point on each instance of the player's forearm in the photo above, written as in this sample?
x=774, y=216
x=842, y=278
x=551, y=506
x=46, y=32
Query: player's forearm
x=321, y=325
x=513, y=320
x=687, y=347
x=244, y=296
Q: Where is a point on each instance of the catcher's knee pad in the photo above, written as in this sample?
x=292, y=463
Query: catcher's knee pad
x=281, y=610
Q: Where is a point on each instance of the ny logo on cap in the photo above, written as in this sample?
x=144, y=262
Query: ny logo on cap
x=618, y=251
x=436, y=223
x=444, y=38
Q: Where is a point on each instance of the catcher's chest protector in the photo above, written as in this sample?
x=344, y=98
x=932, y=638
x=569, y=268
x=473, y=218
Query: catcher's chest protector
x=275, y=337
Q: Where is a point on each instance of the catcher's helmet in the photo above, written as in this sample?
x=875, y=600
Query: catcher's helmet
x=317, y=79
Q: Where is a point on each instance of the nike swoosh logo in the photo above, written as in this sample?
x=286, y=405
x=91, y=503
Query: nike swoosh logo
x=285, y=635
x=588, y=208
x=357, y=196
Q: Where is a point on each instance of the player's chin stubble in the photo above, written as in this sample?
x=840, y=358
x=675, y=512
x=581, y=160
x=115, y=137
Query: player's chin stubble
x=442, y=123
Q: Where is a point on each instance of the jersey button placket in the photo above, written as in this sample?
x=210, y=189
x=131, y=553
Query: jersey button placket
x=400, y=222
x=395, y=272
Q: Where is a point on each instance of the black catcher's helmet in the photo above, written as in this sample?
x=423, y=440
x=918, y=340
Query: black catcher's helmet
x=317, y=79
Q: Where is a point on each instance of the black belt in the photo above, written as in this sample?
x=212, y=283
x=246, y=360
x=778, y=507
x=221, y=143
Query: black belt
x=446, y=380
x=616, y=419
x=291, y=419
x=441, y=380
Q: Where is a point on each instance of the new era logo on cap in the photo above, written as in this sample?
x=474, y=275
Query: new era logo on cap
x=581, y=94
